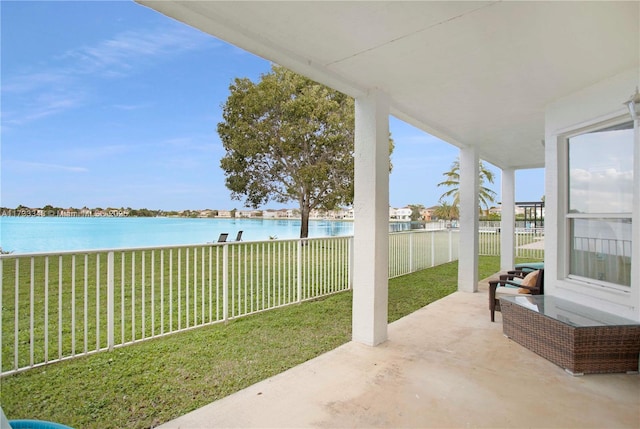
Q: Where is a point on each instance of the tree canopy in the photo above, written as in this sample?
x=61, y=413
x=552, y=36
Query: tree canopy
x=288, y=138
x=446, y=211
x=416, y=211
x=486, y=195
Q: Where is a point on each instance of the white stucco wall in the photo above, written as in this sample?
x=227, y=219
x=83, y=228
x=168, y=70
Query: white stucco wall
x=590, y=106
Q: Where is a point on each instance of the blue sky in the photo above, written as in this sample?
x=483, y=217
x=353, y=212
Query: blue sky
x=111, y=104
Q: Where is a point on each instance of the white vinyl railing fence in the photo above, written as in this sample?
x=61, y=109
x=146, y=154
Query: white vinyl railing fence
x=57, y=306
x=416, y=250
x=529, y=242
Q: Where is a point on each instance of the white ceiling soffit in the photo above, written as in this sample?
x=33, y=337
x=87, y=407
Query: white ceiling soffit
x=472, y=73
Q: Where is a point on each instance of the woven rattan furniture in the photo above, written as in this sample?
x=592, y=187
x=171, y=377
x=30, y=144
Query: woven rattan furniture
x=580, y=339
x=512, y=281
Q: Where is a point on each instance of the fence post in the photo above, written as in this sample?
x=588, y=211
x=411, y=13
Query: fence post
x=350, y=257
x=225, y=282
x=411, y=251
x=299, y=270
x=433, y=248
x=110, y=301
x=450, y=245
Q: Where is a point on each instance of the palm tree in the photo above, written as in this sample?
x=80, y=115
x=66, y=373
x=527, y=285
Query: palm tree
x=446, y=211
x=486, y=195
x=415, y=211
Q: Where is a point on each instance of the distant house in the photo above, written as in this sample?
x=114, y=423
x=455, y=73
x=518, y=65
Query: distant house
x=269, y=214
x=403, y=213
x=70, y=212
x=427, y=214
x=320, y=214
x=328, y=214
x=224, y=213
x=495, y=210
x=248, y=213
x=337, y=214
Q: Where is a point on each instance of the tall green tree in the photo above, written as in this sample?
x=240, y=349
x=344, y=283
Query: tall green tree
x=446, y=211
x=288, y=138
x=452, y=181
x=415, y=211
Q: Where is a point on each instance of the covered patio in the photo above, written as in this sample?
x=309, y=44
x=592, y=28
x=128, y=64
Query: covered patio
x=443, y=366
x=511, y=83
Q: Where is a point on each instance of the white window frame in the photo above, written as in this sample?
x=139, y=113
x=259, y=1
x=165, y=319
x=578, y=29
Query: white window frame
x=567, y=217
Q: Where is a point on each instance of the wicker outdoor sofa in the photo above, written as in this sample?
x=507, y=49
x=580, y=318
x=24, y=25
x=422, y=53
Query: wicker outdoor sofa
x=579, y=339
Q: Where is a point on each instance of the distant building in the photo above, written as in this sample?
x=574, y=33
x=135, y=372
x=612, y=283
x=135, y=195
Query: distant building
x=70, y=212
x=269, y=214
x=427, y=214
x=336, y=214
x=403, y=213
x=248, y=213
x=496, y=210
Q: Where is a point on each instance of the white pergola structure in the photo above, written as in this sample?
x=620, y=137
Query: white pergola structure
x=503, y=81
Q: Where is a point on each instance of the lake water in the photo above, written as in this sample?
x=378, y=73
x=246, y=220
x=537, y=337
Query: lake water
x=51, y=234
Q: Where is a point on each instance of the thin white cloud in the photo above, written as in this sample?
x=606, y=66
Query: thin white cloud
x=43, y=105
x=28, y=166
x=28, y=82
x=67, y=80
x=122, y=53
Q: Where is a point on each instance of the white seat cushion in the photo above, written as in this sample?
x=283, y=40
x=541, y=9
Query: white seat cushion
x=501, y=290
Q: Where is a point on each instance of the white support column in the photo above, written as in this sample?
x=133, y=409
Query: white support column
x=508, y=220
x=371, y=223
x=468, y=248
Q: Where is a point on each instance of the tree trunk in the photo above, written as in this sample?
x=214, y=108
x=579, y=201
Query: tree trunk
x=304, y=225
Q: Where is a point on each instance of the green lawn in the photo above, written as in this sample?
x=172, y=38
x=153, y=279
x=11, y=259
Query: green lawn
x=149, y=383
x=155, y=292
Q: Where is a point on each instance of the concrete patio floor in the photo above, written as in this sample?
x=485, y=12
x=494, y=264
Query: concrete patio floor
x=444, y=366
